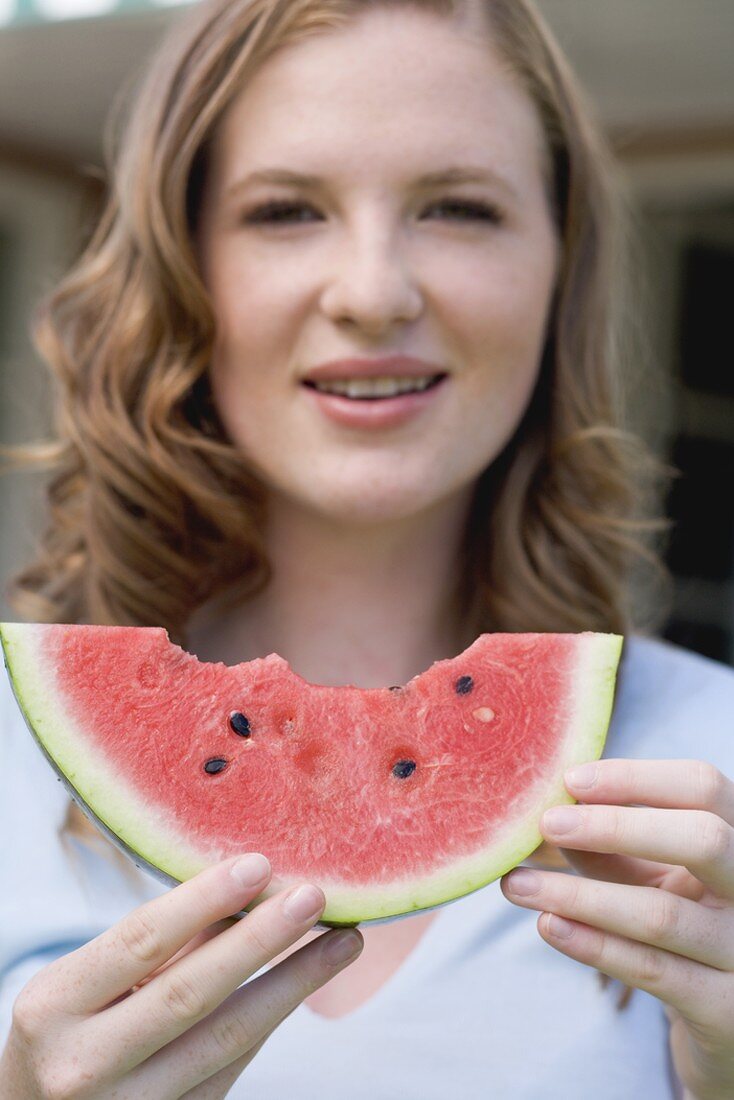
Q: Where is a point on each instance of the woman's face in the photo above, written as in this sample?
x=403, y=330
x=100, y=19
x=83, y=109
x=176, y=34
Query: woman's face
x=369, y=262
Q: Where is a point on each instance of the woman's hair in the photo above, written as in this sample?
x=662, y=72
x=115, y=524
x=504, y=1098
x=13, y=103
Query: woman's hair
x=153, y=511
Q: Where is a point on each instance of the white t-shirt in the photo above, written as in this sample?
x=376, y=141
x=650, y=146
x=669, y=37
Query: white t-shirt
x=482, y=1008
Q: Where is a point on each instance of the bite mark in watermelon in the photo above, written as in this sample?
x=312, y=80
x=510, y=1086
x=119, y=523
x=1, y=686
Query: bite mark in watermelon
x=392, y=800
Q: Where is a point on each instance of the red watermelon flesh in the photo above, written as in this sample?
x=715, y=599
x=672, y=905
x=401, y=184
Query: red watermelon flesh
x=392, y=799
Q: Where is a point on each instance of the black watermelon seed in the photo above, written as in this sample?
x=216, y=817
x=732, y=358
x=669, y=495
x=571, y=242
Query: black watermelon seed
x=403, y=769
x=239, y=724
x=464, y=685
x=396, y=687
x=217, y=764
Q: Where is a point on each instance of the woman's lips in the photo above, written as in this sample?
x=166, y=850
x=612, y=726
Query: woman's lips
x=381, y=412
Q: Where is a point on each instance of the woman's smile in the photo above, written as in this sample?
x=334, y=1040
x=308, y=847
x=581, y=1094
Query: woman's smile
x=395, y=383
x=374, y=410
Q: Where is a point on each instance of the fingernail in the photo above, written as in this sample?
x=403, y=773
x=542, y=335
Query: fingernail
x=303, y=903
x=583, y=776
x=250, y=869
x=523, y=882
x=343, y=946
x=560, y=928
x=561, y=819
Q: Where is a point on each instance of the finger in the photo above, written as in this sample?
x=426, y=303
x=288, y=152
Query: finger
x=199, y=938
x=218, y=1086
x=666, y=784
x=96, y=974
x=640, y=913
x=213, y=1088
x=695, y=839
x=196, y=985
x=611, y=867
x=698, y=992
x=238, y=1028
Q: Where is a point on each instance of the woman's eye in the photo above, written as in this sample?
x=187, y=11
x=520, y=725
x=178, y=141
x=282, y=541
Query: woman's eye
x=275, y=212
x=280, y=213
x=471, y=211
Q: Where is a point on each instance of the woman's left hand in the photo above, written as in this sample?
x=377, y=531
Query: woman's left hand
x=653, y=905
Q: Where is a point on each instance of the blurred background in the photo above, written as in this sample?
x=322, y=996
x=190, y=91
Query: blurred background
x=659, y=74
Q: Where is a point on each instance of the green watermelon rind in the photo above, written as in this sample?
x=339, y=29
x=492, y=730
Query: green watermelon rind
x=152, y=844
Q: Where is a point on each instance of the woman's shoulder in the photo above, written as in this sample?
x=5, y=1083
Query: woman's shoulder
x=672, y=702
x=651, y=665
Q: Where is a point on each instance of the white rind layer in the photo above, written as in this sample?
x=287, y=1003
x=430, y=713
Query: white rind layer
x=144, y=834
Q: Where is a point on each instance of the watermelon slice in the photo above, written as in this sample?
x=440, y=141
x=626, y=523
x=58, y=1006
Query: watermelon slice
x=392, y=799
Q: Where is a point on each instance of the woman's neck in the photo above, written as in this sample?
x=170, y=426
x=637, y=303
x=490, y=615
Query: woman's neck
x=369, y=605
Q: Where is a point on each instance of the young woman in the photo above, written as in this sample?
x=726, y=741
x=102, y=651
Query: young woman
x=305, y=187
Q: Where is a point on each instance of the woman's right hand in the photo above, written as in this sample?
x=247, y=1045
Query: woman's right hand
x=151, y=1009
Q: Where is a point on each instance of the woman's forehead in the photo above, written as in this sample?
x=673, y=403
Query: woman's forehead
x=422, y=96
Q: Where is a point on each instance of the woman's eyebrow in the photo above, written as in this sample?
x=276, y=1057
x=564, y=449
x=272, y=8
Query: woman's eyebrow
x=453, y=175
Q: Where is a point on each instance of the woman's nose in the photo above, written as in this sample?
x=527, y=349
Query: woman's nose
x=370, y=283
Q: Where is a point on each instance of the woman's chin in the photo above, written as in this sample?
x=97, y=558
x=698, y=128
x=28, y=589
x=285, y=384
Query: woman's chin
x=367, y=504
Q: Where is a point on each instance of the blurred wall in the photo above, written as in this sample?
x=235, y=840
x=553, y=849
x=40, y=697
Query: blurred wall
x=691, y=256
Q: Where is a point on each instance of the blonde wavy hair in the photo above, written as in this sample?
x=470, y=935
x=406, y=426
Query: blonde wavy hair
x=151, y=509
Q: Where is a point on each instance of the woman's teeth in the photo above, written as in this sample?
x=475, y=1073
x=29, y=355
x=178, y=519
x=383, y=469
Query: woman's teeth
x=376, y=387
